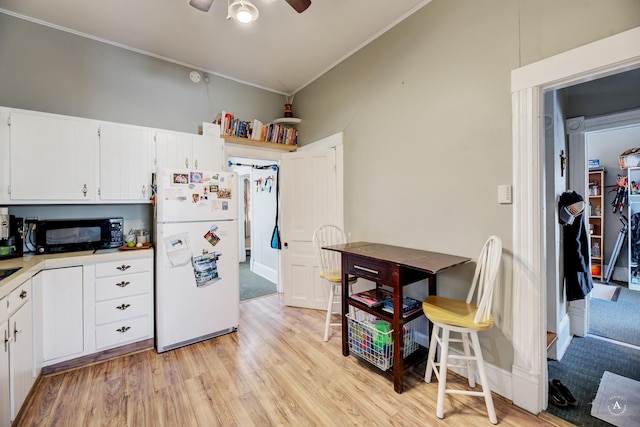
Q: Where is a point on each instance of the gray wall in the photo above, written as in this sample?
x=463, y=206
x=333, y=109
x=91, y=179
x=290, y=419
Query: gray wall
x=426, y=115
x=425, y=110
x=44, y=69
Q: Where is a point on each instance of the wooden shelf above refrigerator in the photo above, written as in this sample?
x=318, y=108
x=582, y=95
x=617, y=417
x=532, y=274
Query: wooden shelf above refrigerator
x=258, y=144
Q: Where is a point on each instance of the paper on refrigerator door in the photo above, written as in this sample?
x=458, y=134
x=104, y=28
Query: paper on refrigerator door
x=177, y=249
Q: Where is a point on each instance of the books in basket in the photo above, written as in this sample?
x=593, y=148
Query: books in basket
x=409, y=305
x=373, y=297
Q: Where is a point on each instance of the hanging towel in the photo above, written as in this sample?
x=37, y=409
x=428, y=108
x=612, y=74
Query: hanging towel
x=577, y=271
x=275, y=236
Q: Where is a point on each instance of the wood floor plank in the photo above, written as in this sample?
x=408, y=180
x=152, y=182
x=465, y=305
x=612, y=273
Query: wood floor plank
x=274, y=371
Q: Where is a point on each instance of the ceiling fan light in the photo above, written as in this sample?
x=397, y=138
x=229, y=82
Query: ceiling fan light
x=243, y=11
x=244, y=15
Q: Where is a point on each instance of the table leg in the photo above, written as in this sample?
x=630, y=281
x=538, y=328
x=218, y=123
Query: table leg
x=398, y=336
x=345, y=306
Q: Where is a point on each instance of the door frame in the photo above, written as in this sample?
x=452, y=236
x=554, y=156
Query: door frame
x=608, y=56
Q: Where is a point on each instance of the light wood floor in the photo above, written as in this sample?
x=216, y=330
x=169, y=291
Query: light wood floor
x=275, y=371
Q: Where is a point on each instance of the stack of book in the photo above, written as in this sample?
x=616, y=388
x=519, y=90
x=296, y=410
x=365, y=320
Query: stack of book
x=409, y=305
x=373, y=297
x=256, y=130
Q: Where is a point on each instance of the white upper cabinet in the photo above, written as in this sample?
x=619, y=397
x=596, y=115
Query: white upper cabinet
x=179, y=150
x=53, y=158
x=127, y=155
x=5, y=163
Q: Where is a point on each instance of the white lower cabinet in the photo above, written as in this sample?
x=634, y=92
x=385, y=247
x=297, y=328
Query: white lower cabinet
x=61, y=290
x=123, y=302
x=76, y=311
x=21, y=362
x=5, y=399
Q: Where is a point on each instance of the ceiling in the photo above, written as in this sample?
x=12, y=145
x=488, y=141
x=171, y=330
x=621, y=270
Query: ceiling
x=282, y=51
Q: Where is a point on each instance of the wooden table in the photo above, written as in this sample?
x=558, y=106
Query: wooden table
x=394, y=267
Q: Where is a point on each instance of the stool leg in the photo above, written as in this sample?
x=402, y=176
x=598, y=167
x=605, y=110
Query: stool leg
x=432, y=353
x=471, y=377
x=329, y=312
x=486, y=390
x=442, y=380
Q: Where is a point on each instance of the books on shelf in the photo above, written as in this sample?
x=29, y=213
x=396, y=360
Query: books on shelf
x=409, y=305
x=373, y=297
x=256, y=130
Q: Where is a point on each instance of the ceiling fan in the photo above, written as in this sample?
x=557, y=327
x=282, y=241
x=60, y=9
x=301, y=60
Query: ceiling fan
x=204, y=5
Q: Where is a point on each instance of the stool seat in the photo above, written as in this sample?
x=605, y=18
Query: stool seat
x=454, y=312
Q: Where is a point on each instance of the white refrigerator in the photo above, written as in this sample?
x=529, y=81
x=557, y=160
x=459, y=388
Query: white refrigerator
x=196, y=268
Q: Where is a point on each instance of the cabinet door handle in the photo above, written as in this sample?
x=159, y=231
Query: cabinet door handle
x=123, y=267
x=123, y=306
x=16, y=331
x=368, y=270
x=195, y=163
x=23, y=294
x=122, y=284
x=144, y=191
x=85, y=190
x=123, y=329
x=7, y=340
x=186, y=162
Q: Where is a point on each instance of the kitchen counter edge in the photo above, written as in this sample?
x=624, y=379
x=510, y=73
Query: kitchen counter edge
x=30, y=265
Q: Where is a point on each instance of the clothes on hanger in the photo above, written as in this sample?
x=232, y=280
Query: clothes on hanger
x=577, y=271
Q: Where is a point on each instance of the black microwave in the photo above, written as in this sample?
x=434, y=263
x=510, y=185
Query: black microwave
x=70, y=235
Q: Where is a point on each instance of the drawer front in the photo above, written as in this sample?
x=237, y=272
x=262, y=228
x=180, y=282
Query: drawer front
x=19, y=296
x=122, y=286
x=120, y=309
x=375, y=271
x=117, y=268
x=117, y=333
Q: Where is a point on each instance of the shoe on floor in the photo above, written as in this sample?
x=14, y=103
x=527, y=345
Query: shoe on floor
x=555, y=398
x=562, y=390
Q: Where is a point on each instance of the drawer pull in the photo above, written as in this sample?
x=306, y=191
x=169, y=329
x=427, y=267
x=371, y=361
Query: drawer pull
x=123, y=267
x=123, y=329
x=23, y=294
x=123, y=306
x=122, y=284
x=368, y=270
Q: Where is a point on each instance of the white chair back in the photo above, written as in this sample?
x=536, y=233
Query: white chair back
x=330, y=261
x=484, y=278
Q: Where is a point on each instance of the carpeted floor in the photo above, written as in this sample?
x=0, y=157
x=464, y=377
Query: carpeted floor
x=617, y=320
x=253, y=285
x=581, y=369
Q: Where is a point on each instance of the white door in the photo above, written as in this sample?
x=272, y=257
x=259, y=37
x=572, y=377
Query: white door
x=53, y=157
x=21, y=356
x=310, y=197
x=173, y=149
x=5, y=335
x=126, y=162
x=197, y=281
x=62, y=317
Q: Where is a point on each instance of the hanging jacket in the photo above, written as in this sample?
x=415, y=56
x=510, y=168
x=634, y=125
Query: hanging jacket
x=577, y=271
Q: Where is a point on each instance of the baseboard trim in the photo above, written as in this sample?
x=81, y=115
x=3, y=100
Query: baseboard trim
x=98, y=357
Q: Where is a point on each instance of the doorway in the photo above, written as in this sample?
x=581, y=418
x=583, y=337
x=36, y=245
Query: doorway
x=259, y=262
x=612, y=55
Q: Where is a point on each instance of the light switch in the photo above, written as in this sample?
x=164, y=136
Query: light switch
x=504, y=194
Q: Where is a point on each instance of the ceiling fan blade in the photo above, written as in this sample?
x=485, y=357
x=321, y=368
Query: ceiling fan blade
x=203, y=5
x=299, y=5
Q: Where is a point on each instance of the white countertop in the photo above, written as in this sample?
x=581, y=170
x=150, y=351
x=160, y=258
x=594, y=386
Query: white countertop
x=30, y=265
